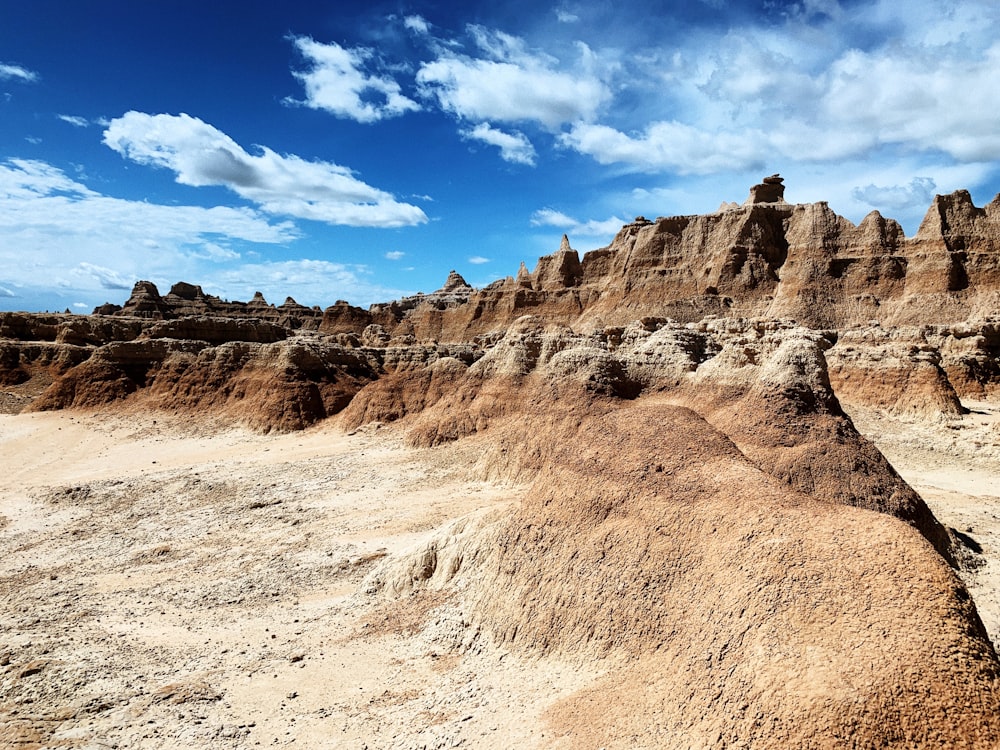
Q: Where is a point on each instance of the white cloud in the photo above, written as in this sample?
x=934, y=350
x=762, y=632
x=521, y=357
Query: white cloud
x=79, y=122
x=478, y=260
x=9, y=71
x=514, y=147
x=108, y=278
x=417, y=24
x=919, y=192
x=551, y=218
x=565, y=16
x=670, y=146
x=59, y=234
x=215, y=252
x=827, y=82
x=512, y=84
x=284, y=185
x=307, y=281
x=337, y=81
x=943, y=101
x=394, y=255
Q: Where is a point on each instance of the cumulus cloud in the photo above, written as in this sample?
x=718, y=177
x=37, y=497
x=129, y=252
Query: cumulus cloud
x=202, y=155
x=919, y=192
x=509, y=83
x=670, y=146
x=514, y=147
x=9, y=71
x=60, y=234
x=548, y=217
x=337, y=81
x=394, y=255
x=927, y=101
x=79, y=122
x=816, y=81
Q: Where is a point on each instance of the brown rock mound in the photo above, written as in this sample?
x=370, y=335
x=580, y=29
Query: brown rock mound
x=286, y=385
x=748, y=614
x=765, y=385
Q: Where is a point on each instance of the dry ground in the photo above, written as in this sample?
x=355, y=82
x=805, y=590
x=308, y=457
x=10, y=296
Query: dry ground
x=955, y=465
x=167, y=585
x=172, y=584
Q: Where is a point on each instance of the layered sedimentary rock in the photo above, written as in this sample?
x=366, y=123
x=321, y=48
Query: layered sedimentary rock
x=764, y=258
x=188, y=300
x=700, y=507
x=284, y=385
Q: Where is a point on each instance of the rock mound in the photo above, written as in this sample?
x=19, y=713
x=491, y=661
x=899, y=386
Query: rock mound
x=747, y=612
x=285, y=385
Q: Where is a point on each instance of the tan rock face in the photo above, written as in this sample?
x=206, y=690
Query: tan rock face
x=764, y=258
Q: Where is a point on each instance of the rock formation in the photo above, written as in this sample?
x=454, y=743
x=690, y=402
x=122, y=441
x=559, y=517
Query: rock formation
x=701, y=507
x=707, y=532
x=188, y=300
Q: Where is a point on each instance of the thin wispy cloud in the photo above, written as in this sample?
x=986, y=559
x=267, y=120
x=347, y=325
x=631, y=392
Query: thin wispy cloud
x=43, y=211
x=338, y=80
x=202, y=155
x=548, y=217
x=306, y=280
x=395, y=255
x=108, y=278
x=514, y=146
x=478, y=260
x=74, y=120
x=11, y=72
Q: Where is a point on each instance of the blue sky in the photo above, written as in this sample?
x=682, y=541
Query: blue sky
x=360, y=151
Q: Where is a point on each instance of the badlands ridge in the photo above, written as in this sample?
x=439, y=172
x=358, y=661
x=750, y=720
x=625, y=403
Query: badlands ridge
x=697, y=505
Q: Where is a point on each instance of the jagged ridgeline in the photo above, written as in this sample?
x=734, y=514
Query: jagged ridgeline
x=701, y=508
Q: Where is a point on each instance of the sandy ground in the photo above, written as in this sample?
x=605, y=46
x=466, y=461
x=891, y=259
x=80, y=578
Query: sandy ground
x=171, y=584
x=955, y=466
x=166, y=585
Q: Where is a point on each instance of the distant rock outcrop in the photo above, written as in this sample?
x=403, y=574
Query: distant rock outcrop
x=766, y=258
x=188, y=300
